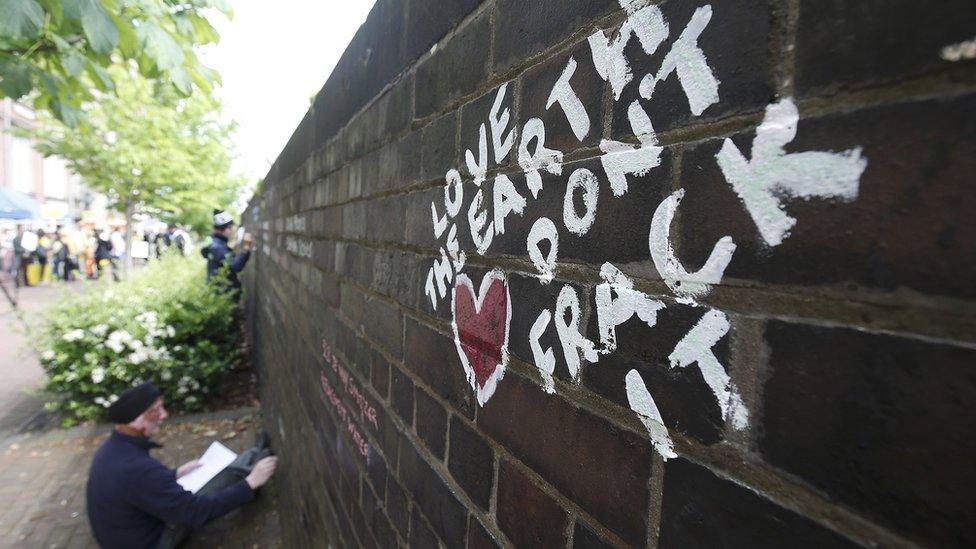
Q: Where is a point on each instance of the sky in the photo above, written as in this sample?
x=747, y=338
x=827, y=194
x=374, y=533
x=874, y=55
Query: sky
x=273, y=57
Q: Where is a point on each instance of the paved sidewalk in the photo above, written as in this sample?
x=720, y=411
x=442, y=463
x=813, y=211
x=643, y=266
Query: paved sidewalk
x=42, y=483
x=21, y=371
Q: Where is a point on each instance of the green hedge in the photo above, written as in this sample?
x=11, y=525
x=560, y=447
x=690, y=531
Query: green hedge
x=164, y=324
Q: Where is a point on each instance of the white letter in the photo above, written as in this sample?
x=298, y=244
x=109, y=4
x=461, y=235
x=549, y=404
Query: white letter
x=480, y=168
x=442, y=274
x=453, y=182
x=542, y=158
x=498, y=125
x=439, y=224
x=477, y=222
x=507, y=200
x=563, y=94
x=591, y=188
x=543, y=229
x=696, y=347
x=608, y=57
x=682, y=282
x=694, y=74
x=573, y=342
x=641, y=402
x=457, y=257
x=804, y=174
x=614, y=312
x=624, y=158
x=545, y=361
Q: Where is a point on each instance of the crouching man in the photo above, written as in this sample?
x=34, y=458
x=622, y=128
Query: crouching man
x=135, y=501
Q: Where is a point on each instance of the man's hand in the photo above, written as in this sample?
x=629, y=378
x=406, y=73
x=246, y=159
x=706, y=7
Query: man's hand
x=262, y=471
x=247, y=241
x=187, y=467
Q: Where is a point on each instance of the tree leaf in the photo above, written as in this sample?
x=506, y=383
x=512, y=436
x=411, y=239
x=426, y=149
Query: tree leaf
x=74, y=63
x=20, y=18
x=102, y=79
x=182, y=80
x=15, y=77
x=99, y=28
x=160, y=46
x=128, y=41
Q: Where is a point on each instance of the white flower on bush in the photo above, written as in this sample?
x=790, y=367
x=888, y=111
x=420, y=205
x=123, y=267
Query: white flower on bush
x=102, y=401
x=166, y=375
x=138, y=357
x=170, y=331
x=117, y=340
x=98, y=375
x=48, y=355
x=148, y=318
x=112, y=398
x=73, y=335
x=99, y=330
x=190, y=399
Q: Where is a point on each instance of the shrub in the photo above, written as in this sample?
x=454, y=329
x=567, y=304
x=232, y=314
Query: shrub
x=163, y=324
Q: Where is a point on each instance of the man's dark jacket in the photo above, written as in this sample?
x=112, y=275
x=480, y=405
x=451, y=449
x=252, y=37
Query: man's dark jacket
x=131, y=496
x=219, y=254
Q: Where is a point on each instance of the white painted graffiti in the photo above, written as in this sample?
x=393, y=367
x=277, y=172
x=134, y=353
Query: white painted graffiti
x=764, y=182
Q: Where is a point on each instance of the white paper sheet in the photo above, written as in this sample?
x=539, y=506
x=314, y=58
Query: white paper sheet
x=213, y=461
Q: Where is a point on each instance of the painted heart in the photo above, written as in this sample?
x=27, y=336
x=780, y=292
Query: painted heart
x=481, y=323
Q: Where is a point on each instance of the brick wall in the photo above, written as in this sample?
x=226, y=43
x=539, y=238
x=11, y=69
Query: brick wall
x=721, y=296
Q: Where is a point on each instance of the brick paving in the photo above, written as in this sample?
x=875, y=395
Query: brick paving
x=42, y=481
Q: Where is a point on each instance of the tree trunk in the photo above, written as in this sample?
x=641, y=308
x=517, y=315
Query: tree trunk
x=130, y=207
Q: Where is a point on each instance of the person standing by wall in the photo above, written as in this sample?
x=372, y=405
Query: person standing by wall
x=219, y=254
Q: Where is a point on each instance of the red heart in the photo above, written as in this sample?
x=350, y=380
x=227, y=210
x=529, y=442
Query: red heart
x=481, y=330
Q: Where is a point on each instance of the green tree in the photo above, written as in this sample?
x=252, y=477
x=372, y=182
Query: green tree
x=56, y=52
x=149, y=151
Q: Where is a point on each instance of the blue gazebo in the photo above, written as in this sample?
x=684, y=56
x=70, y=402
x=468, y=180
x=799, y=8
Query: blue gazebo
x=17, y=205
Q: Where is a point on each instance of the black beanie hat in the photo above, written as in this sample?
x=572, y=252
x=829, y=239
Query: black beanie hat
x=133, y=402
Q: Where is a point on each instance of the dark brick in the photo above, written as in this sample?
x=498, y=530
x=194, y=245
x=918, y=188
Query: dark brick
x=438, y=144
x=433, y=356
x=887, y=424
x=589, y=460
x=376, y=472
x=377, y=523
x=525, y=29
x=686, y=403
x=409, y=165
x=736, y=45
x=526, y=514
x=478, y=537
x=397, y=506
x=841, y=44
x=909, y=226
x=701, y=509
x=419, y=230
x=384, y=220
x=431, y=423
x=384, y=324
x=380, y=375
x=585, y=538
x=432, y=496
x=330, y=288
x=586, y=82
x=420, y=534
x=401, y=396
x=429, y=20
x=471, y=462
x=455, y=69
